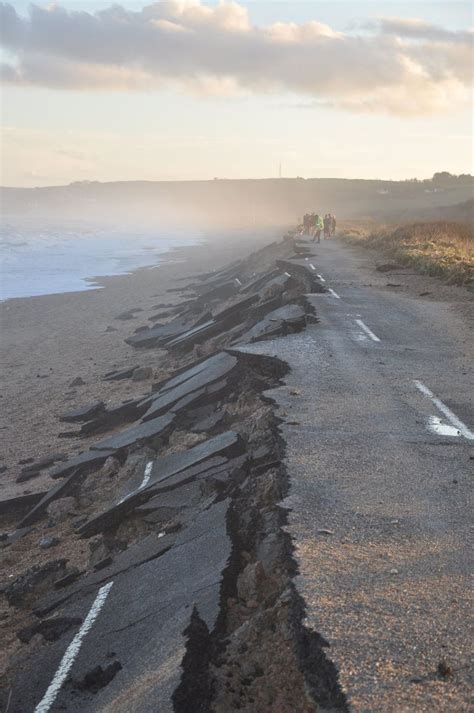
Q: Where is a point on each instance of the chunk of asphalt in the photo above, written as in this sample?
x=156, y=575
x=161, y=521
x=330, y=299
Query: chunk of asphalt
x=167, y=397
x=195, y=335
x=159, y=334
x=83, y=413
x=158, y=427
x=228, y=443
x=45, y=462
x=202, y=396
x=276, y=323
x=237, y=307
x=85, y=460
x=185, y=497
x=217, y=361
x=20, y=503
x=258, y=282
x=221, y=291
x=300, y=267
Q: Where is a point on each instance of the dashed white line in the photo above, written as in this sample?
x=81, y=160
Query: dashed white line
x=72, y=651
x=368, y=331
x=312, y=266
x=287, y=274
x=238, y=281
x=436, y=425
x=321, y=278
x=333, y=293
x=456, y=422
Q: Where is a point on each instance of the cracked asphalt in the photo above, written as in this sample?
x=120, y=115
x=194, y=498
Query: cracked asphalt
x=380, y=503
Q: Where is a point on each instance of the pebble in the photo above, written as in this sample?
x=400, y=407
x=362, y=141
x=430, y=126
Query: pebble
x=394, y=571
x=47, y=542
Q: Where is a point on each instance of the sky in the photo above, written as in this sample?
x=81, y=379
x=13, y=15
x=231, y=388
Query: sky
x=192, y=90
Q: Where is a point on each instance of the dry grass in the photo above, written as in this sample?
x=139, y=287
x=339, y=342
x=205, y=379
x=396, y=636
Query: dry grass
x=438, y=248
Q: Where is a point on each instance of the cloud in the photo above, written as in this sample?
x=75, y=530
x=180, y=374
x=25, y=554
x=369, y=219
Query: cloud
x=401, y=67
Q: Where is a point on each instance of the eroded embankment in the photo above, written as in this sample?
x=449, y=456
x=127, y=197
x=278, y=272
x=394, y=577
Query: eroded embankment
x=179, y=516
x=260, y=656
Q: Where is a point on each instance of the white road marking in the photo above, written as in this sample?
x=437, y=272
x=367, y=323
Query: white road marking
x=333, y=293
x=238, y=281
x=143, y=484
x=312, y=266
x=287, y=274
x=321, y=278
x=72, y=651
x=457, y=423
x=368, y=331
x=436, y=425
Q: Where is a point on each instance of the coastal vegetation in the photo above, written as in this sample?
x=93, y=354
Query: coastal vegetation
x=440, y=248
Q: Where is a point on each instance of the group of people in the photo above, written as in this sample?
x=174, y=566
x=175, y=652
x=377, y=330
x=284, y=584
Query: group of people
x=314, y=225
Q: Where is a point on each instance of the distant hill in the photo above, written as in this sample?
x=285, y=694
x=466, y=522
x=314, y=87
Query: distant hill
x=232, y=203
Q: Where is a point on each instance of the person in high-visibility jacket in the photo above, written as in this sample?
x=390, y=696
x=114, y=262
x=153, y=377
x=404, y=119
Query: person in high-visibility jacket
x=318, y=226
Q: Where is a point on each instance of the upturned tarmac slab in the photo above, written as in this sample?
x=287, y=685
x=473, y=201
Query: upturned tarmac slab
x=140, y=625
x=137, y=435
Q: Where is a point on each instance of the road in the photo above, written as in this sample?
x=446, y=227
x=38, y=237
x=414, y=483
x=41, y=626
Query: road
x=378, y=422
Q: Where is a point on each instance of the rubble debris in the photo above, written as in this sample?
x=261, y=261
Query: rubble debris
x=50, y=629
x=18, y=591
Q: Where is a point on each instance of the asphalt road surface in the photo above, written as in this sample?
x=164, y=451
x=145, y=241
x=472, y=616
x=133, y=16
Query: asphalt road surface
x=379, y=425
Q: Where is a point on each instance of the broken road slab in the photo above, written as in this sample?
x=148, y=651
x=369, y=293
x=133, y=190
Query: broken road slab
x=144, y=632
x=80, y=463
x=276, y=323
x=206, y=373
x=83, y=413
x=169, y=472
x=157, y=427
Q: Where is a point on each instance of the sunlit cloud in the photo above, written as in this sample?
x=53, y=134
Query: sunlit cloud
x=404, y=67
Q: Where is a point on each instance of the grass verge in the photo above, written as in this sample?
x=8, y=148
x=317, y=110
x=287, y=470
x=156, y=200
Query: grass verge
x=443, y=249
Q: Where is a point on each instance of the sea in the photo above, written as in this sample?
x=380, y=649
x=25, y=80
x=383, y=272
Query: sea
x=54, y=258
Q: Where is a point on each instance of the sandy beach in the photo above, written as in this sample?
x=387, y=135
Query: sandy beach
x=49, y=341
